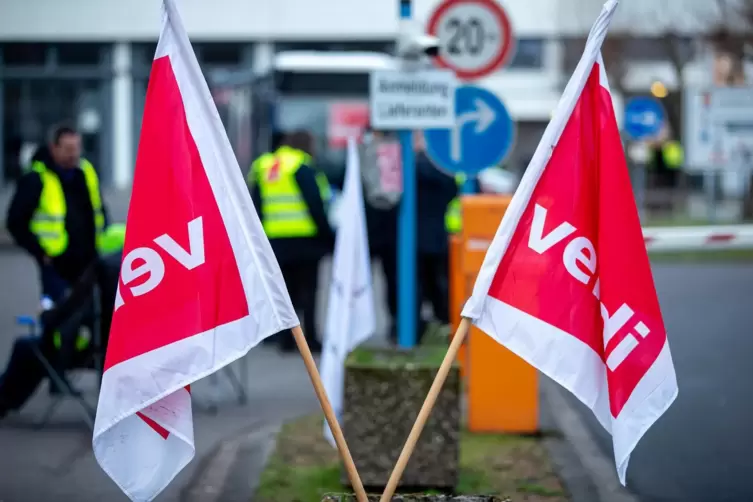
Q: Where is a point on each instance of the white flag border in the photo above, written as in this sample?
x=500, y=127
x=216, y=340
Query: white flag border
x=520, y=200
x=657, y=390
x=119, y=399
x=228, y=176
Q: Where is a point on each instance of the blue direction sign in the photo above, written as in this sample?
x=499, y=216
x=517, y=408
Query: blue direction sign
x=482, y=136
x=644, y=117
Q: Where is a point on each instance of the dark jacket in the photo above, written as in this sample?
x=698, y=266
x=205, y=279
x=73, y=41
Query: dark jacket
x=303, y=248
x=79, y=218
x=381, y=224
x=381, y=227
x=435, y=191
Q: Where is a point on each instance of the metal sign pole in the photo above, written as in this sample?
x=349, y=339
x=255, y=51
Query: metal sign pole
x=406, y=239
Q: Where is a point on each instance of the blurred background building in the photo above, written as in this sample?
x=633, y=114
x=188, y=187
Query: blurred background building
x=88, y=61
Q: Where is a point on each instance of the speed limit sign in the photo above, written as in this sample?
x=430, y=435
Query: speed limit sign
x=475, y=37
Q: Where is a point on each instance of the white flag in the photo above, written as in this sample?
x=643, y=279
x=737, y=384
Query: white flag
x=350, y=314
x=199, y=284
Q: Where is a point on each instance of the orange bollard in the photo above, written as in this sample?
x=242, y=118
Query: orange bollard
x=502, y=388
x=457, y=295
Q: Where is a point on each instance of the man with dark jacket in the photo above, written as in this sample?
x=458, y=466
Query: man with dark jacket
x=291, y=200
x=56, y=214
x=25, y=370
x=435, y=191
x=381, y=212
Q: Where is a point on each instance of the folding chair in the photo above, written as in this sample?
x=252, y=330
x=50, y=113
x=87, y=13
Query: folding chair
x=94, y=361
x=238, y=383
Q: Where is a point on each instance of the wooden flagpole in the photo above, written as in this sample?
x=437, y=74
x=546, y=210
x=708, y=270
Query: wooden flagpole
x=329, y=414
x=423, y=415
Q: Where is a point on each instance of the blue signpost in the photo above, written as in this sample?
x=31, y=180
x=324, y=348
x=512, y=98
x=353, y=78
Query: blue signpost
x=482, y=137
x=644, y=117
x=407, y=317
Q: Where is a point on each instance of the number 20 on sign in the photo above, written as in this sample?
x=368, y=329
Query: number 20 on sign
x=475, y=37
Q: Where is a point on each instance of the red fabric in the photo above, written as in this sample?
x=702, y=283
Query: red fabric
x=586, y=184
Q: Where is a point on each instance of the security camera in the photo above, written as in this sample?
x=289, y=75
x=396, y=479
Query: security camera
x=416, y=46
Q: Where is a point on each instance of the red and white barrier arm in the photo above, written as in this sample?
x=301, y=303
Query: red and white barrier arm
x=698, y=238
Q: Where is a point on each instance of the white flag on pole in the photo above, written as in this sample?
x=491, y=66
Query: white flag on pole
x=350, y=315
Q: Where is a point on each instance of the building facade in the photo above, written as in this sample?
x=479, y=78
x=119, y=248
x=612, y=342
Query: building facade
x=87, y=61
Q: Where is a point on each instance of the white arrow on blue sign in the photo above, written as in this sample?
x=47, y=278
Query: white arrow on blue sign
x=644, y=117
x=482, y=136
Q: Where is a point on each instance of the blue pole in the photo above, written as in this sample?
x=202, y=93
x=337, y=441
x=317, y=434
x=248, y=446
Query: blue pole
x=407, y=311
x=469, y=186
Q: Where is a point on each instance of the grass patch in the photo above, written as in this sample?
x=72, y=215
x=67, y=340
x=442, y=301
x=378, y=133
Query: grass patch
x=422, y=356
x=304, y=467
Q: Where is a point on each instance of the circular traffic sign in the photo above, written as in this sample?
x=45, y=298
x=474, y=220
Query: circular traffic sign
x=483, y=134
x=475, y=37
x=644, y=117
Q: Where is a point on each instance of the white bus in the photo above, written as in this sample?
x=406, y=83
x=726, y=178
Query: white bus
x=325, y=93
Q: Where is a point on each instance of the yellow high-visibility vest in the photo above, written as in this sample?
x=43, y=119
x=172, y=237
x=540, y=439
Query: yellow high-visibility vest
x=253, y=172
x=48, y=222
x=673, y=154
x=82, y=341
x=453, y=217
x=284, y=212
x=321, y=179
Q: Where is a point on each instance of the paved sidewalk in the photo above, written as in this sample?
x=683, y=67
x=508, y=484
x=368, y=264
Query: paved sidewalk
x=57, y=463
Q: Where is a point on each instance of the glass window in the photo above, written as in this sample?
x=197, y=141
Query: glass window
x=651, y=49
x=219, y=53
x=143, y=55
x=380, y=46
x=79, y=54
x=32, y=106
x=345, y=84
x=529, y=53
x=24, y=54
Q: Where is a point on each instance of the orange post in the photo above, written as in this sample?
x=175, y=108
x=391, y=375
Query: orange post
x=502, y=388
x=457, y=290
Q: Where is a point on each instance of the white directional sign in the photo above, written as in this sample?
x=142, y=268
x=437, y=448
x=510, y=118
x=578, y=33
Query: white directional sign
x=412, y=99
x=475, y=37
x=718, y=128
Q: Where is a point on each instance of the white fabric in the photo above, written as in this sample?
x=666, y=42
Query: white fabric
x=554, y=352
x=351, y=318
x=141, y=462
x=519, y=202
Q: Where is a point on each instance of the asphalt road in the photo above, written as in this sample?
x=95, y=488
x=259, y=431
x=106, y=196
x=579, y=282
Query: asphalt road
x=702, y=448
x=699, y=451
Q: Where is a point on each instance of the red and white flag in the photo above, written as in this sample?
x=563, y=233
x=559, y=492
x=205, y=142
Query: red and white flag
x=199, y=284
x=566, y=283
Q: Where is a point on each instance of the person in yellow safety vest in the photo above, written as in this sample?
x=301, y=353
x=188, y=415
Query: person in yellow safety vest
x=291, y=200
x=453, y=218
x=58, y=217
x=667, y=161
x=321, y=179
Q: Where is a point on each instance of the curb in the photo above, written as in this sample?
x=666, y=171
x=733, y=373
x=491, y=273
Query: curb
x=231, y=473
x=6, y=241
x=588, y=474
